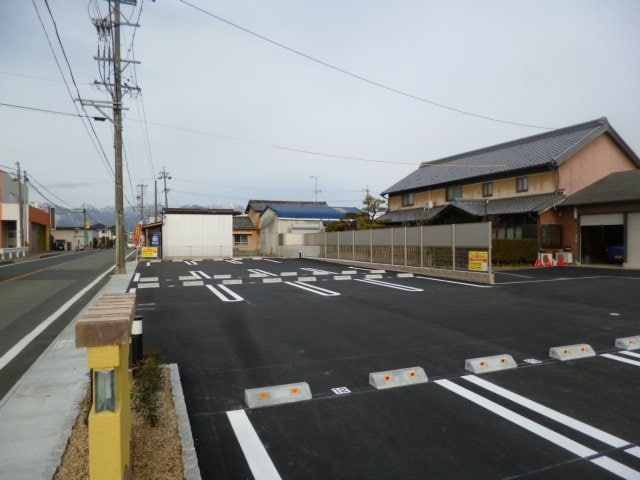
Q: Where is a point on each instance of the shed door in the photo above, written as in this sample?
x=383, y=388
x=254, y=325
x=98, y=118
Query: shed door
x=602, y=219
x=633, y=240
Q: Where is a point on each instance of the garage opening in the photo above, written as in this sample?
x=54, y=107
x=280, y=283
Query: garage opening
x=602, y=238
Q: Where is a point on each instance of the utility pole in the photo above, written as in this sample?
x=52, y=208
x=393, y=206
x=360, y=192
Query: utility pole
x=84, y=222
x=155, y=199
x=140, y=197
x=108, y=30
x=316, y=190
x=20, y=229
x=164, y=175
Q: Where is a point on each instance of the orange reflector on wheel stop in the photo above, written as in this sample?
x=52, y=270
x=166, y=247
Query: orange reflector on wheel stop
x=628, y=343
x=489, y=364
x=397, y=378
x=277, y=394
x=571, y=352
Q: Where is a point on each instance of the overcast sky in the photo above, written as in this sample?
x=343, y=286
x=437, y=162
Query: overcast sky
x=226, y=99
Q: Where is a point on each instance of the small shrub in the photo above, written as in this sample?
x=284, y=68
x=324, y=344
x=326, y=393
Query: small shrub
x=148, y=376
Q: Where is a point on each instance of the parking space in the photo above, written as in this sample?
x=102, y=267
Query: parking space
x=251, y=323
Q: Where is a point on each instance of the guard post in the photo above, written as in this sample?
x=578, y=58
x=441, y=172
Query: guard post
x=105, y=331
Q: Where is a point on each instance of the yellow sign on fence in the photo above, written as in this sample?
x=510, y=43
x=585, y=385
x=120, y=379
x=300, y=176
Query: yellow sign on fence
x=479, y=261
x=149, y=252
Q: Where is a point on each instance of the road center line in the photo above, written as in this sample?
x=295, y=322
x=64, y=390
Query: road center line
x=556, y=438
x=254, y=452
x=27, y=339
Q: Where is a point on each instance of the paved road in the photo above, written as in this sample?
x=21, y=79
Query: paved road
x=549, y=419
x=36, y=303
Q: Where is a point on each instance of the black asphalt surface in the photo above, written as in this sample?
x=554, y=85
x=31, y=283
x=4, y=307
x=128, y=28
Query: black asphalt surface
x=280, y=333
x=33, y=290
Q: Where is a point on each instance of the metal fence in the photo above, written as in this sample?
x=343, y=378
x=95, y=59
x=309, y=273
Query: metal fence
x=453, y=247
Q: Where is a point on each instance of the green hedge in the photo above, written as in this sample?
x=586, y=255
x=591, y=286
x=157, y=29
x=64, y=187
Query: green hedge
x=512, y=252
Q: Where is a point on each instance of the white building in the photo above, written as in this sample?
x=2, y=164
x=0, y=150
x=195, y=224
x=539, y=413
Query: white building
x=197, y=233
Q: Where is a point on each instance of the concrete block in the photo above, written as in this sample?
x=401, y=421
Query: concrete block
x=397, y=378
x=276, y=395
x=571, y=352
x=373, y=275
x=272, y=280
x=221, y=277
x=349, y=272
x=193, y=283
x=232, y=282
x=306, y=279
x=342, y=277
x=405, y=275
x=489, y=364
x=378, y=271
x=628, y=343
x=289, y=274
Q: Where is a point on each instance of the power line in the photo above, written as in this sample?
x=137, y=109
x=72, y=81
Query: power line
x=234, y=139
x=95, y=137
x=359, y=77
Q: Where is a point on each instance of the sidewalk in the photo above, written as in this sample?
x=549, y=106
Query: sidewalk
x=38, y=413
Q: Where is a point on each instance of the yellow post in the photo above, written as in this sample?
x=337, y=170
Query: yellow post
x=105, y=332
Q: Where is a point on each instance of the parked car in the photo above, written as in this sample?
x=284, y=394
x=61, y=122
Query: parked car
x=615, y=253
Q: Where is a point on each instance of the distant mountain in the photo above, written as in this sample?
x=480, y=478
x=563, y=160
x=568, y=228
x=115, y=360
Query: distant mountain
x=107, y=216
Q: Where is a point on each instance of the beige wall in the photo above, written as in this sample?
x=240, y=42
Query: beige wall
x=597, y=160
x=506, y=187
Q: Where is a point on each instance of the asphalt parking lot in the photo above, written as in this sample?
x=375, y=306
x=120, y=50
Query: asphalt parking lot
x=243, y=324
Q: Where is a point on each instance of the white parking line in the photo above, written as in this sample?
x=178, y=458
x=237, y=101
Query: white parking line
x=630, y=353
x=397, y=286
x=271, y=260
x=556, y=438
x=235, y=262
x=562, y=279
x=621, y=359
x=317, y=271
x=232, y=296
x=257, y=271
x=254, y=452
x=570, y=422
x=190, y=262
x=313, y=289
x=512, y=274
x=458, y=283
x=200, y=274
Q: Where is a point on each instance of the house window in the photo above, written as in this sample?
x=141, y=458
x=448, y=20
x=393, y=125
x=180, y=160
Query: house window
x=487, y=189
x=408, y=199
x=453, y=192
x=240, y=239
x=522, y=184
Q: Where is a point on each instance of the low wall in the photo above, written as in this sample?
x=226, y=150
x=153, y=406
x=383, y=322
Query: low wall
x=461, y=275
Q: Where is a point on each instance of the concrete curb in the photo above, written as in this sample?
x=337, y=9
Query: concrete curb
x=191, y=470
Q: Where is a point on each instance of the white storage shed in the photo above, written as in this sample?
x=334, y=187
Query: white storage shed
x=197, y=233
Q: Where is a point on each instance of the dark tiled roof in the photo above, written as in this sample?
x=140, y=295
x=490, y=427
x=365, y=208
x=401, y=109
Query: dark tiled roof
x=412, y=215
x=616, y=187
x=243, y=222
x=261, y=205
x=479, y=208
x=546, y=149
x=313, y=211
x=512, y=205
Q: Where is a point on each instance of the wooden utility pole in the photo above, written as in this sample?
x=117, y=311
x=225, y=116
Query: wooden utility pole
x=117, y=143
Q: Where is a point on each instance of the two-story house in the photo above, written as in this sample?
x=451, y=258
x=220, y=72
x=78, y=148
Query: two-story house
x=516, y=185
